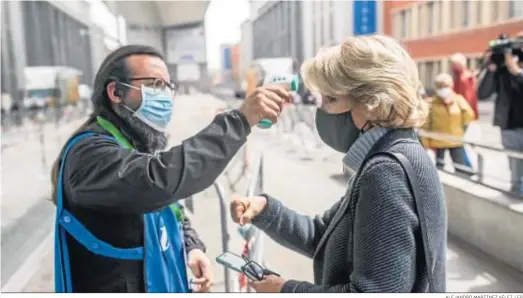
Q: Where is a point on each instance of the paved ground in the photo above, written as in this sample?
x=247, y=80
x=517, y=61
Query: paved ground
x=25, y=186
x=308, y=182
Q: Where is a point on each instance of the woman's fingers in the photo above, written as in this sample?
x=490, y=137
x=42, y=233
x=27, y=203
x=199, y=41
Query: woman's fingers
x=237, y=207
x=248, y=215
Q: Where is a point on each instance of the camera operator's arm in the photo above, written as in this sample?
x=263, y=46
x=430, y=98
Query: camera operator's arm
x=513, y=68
x=487, y=79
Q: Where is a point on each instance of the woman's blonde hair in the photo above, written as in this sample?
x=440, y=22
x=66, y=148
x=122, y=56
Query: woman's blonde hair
x=374, y=71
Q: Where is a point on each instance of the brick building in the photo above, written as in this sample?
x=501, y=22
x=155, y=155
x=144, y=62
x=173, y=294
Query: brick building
x=434, y=30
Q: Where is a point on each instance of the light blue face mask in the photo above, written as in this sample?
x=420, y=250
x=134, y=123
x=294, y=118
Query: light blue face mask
x=156, y=108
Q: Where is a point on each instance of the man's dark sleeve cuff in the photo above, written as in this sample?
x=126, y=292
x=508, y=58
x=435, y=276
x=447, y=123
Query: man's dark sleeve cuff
x=243, y=119
x=193, y=244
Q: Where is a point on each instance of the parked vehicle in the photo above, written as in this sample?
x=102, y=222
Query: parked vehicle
x=51, y=86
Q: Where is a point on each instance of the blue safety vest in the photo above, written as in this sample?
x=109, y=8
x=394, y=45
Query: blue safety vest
x=163, y=251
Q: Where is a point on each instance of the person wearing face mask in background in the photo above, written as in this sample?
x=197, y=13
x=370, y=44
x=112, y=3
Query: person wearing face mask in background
x=450, y=114
x=119, y=227
x=376, y=238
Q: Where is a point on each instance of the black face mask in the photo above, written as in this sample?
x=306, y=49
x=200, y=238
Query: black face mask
x=337, y=130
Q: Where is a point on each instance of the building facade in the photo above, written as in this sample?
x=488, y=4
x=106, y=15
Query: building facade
x=434, y=30
x=245, y=47
x=277, y=30
x=48, y=33
x=330, y=22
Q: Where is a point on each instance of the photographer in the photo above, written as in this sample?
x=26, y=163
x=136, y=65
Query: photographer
x=505, y=77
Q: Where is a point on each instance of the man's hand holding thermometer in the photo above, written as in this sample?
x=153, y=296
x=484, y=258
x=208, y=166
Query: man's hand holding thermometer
x=289, y=82
x=265, y=103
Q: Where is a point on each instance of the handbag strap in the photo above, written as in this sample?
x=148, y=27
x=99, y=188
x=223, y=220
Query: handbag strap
x=416, y=192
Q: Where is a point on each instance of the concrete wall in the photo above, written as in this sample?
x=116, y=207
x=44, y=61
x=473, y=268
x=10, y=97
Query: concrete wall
x=486, y=219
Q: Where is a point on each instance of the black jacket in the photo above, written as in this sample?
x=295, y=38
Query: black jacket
x=508, y=111
x=109, y=188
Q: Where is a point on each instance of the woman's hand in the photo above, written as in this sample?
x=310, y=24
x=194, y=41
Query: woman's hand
x=269, y=284
x=201, y=268
x=244, y=209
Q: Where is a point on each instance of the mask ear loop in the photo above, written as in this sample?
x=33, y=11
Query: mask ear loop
x=363, y=128
x=122, y=104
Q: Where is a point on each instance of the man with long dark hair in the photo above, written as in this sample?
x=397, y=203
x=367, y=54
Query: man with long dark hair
x=119, y=227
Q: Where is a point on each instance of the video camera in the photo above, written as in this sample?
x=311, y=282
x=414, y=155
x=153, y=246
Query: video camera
x=504, y=45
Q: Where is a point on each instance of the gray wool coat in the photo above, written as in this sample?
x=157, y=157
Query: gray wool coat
x=370, y=240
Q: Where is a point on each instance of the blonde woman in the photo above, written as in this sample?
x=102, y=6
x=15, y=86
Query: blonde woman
x=388, y=231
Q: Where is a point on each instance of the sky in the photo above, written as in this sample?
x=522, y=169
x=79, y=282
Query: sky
x=222, y=26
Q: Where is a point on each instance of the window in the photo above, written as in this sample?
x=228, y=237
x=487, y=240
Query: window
x=422, y=20
x=322, y=23
x=331, y=21
x=479, y=12
x=403, y=24
x=495, y=11
x=439, y=20
x=437, y=68
x=430, y=17
x=515, y=9
x=469, y=63
x=314, y=33
x=453, y=14
x=429, y=73
x=466, y=13
x=479, y=62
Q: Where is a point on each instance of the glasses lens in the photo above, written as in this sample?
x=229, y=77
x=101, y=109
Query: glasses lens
x=159, y=85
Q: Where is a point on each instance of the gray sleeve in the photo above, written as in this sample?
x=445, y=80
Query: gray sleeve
x=102, y=175
x=384, y=235
x=295, y=231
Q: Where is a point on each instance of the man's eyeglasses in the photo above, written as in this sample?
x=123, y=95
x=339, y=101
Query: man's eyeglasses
x=159, y=85
x=252, y=270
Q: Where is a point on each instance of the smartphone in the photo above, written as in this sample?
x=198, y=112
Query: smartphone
x=232, y=261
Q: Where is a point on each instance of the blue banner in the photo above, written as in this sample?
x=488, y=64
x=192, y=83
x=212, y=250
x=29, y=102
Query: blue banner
x=227, y=63
x=365, y=17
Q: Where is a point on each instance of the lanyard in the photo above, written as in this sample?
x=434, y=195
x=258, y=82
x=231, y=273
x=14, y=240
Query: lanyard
x=115, y=132
x=110, y=128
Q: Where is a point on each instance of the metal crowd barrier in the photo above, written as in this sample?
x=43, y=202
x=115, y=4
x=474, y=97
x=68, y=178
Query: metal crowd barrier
x=224, y=230
x=478, y=175
x=254, y=235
